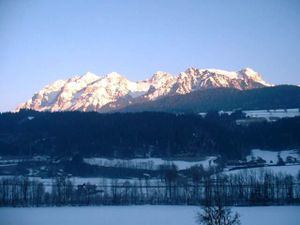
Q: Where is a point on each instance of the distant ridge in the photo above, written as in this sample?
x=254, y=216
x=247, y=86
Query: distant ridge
x=282, y=96
x=113, y=91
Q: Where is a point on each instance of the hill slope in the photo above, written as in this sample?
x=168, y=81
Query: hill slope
x=283, y=96
x=140, y=134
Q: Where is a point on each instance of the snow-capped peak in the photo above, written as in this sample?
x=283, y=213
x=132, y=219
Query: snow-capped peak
x=114, y=75
x=89, y=77
x=91, y=92
x=249, y=74
x=160, y=78
x=229, y=74
x=212, y=72
x=159, y=74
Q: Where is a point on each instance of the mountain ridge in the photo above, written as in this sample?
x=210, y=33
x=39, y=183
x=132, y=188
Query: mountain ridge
x=223, y=99
x=90, y=92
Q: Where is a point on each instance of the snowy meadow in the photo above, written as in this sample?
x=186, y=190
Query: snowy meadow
x=141, y=215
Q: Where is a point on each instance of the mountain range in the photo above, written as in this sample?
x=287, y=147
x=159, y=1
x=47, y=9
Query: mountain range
x=114, y=92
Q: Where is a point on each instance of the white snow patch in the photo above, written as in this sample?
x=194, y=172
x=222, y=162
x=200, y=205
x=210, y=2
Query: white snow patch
x=141, y=215
x=276, y=113
x=149, y=163
x=289, y=170
x=271, y=157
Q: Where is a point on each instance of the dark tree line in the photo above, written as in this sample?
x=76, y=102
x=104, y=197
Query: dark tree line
x=261, y=188
x=140, y=134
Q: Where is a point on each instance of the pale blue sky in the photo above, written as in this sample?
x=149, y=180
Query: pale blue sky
x=45, y=40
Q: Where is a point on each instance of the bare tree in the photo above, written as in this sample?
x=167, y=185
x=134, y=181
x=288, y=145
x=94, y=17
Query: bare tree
x=218, y=215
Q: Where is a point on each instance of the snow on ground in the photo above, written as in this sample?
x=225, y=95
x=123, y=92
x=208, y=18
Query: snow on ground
x=149, y=163
x=267, y=114
x=141, y=215
x=280, y=113
x=291, y=167
x=7, y=160
x=271, y=157
x=108, y=181
x=288, y=169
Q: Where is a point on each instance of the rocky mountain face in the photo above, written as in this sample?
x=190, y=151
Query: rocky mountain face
x=90, y=92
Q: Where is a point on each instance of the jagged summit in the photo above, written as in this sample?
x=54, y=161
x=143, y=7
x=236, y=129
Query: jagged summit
x=89, y=77
x=114, y=75
x=90, y=92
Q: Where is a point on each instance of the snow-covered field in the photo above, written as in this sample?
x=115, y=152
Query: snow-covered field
x=291, y=159
x=141, y=215
x=149, y=163
x=267, y=114
x=288, y=169
x=279, y=113
x=271, y=157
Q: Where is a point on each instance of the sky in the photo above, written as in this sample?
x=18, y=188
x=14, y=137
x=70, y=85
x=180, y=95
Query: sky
x=42, y=41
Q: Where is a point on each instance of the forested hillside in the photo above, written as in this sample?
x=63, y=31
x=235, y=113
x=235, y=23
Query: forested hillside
x=140, y=134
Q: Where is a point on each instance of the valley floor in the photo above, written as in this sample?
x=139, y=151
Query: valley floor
x=141, y=215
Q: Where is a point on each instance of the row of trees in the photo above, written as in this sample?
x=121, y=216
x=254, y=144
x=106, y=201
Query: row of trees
x=263, y=188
